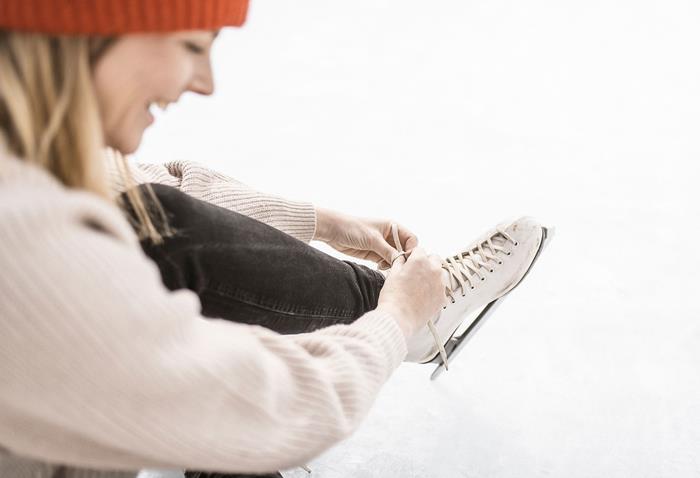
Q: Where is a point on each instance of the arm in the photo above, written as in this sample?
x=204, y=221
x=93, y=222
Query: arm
x=101, y=366
x=296, y=218
x=368, y=239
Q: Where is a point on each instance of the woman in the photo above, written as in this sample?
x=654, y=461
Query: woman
x=101, y=366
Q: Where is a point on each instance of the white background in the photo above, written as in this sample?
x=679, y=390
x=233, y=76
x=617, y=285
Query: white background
x=450, y=116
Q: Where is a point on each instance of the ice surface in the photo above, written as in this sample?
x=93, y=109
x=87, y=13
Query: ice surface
x=449, y=117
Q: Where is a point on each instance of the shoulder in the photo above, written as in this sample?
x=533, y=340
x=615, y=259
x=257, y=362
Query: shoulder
x=71, y=255
x=32, y=202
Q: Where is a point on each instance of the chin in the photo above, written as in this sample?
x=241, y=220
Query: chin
x=129, y=149
x=128, y=144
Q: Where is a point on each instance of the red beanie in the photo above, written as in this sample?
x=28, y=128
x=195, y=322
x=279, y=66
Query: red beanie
x=113, y=17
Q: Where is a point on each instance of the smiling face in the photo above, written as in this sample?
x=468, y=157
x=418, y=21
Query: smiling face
x=140, y=70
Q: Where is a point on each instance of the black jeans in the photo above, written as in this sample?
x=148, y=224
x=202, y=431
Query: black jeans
x=246, y=271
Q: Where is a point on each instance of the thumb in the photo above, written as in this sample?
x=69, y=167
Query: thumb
x=398, y=262
x=385, y=250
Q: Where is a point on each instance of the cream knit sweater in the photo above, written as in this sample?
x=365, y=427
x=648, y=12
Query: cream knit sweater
x=101, y=367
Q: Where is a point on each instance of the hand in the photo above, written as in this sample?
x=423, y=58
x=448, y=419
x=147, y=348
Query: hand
x=414, y=292
x=368, y=239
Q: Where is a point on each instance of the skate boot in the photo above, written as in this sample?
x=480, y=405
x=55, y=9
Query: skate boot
x=479, y=276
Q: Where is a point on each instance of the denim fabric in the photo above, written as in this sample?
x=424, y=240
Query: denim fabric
x=204, y=474
x=247, y=271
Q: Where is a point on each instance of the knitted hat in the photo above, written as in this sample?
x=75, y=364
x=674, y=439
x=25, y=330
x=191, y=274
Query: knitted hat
x=113, y=17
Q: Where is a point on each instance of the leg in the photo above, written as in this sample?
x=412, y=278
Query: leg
x=204, y=474
x=247, y=271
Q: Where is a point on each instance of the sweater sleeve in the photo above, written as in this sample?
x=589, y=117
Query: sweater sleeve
x=103, y=367
x=296, y=218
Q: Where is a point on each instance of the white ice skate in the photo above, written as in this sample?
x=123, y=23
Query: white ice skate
x=480, y=276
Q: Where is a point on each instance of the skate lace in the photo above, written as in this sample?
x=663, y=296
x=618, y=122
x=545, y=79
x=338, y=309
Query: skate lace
x=467, y=268
x=464, y=267
x=467, y=265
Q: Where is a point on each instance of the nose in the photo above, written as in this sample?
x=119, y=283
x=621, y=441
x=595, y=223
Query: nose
x=203, y=81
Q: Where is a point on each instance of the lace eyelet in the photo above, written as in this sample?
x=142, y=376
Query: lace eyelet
x=490, y=270
x=453, y=301
x=444, y=306
x=508, y=253
x=516, y=243
x=464, y=295
x=500, y=263
x=472, y=287
x=483, y=278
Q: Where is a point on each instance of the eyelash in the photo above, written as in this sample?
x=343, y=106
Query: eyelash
x=196, y=49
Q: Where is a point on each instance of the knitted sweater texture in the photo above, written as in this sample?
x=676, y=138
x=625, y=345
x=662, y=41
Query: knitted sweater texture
x=103, y=368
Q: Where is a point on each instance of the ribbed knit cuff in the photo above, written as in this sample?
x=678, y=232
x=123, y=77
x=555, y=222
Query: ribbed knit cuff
x=296, y=218
x=112, y=17
x=383, y=327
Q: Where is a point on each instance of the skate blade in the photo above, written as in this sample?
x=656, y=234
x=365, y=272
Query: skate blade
x=455, y=344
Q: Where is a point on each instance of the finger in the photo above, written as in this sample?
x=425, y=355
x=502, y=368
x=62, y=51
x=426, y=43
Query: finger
x=444, y=277
x=404, y=257
x=411, y=242
x=416, y=253
x=398, y=262
x=372, y=256
x=435, y=259
x=382, y=248
x=408, y=239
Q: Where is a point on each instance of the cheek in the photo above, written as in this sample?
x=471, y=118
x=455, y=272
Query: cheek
x=130, y=76
x=121, y=99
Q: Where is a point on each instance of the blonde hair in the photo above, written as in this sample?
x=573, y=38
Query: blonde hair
x=49, y=116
